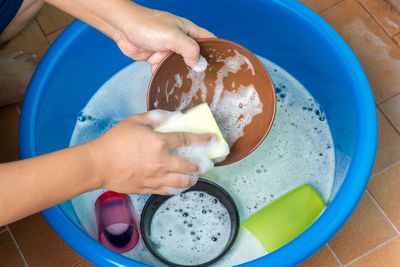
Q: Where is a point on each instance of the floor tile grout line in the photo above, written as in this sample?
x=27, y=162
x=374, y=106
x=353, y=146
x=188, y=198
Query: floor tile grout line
x=371, y=250
x=42, y=31
x=386, y=100
x=392, y=7
x=385, y=169
x=61, y=28
x=76, y=263
x=338, y=2
x=390, y=122
x=376, y=21
x=18, y=248
x=334, y=254
x=394, y=41
x=383, y=212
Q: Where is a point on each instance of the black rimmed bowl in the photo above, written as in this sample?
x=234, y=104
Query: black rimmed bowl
x=155, y=201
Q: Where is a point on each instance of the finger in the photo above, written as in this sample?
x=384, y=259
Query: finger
x=174, y=180
x=156, y=58
x=153, y=68
x=187, y=47
x=178, y=180
x=181, y=165
x=180, y=139
x=167, y=191
x=172, y=190
x=195, y=31
x=154, y=118
x=159, y=191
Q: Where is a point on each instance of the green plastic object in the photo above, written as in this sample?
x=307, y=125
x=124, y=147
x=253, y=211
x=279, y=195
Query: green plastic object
x=283, y=220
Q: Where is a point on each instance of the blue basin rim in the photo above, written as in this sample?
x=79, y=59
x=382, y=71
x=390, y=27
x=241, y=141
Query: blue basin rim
x=293, y=253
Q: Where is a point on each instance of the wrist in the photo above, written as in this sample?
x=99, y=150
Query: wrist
x=101, y=15
x=130, y=18
x=121, y=14
x=94, y=164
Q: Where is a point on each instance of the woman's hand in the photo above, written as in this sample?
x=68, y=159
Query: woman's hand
x=129, y=158
x=141, y=33
x=148, y=35
x=132, y=158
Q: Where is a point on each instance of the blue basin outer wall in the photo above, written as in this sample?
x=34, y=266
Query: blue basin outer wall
x=286, y=32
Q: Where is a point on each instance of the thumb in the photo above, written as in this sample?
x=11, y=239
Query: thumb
x=187, y=47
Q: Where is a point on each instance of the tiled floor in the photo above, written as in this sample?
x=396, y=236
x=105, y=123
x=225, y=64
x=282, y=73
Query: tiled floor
x=370, y=237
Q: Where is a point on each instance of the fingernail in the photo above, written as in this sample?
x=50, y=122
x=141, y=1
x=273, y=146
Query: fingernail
x=201, y=65
x=174, y=190
x=193, y=178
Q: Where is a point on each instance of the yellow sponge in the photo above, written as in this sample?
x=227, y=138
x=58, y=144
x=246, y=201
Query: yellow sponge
x=199, y=119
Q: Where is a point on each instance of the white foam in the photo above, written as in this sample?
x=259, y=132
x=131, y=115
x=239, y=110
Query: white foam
x=191, y=228
x=117, y=228
x=199, y=154
x=289, y=157
x=178, y=84
x=232, y=64
x=197, y=79
x=235, y=111
x=160, y=116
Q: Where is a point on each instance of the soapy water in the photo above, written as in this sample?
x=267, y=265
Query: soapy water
x=298, y=150
x=191, y=228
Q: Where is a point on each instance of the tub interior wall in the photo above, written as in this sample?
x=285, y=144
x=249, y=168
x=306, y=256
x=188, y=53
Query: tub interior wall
x=275, y=37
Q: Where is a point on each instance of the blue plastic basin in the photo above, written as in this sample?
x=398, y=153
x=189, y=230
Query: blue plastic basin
x=286, y=32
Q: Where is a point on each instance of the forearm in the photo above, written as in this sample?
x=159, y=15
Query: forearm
x=106, y=16
x=141, y=33
x=31, y=185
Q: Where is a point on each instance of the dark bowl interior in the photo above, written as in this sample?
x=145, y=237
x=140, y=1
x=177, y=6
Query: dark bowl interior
x=155, y=201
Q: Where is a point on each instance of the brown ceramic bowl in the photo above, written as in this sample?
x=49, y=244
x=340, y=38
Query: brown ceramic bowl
x=160, y=94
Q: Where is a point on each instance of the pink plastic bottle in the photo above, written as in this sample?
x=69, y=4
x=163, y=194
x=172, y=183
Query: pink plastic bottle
x=116, y=224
